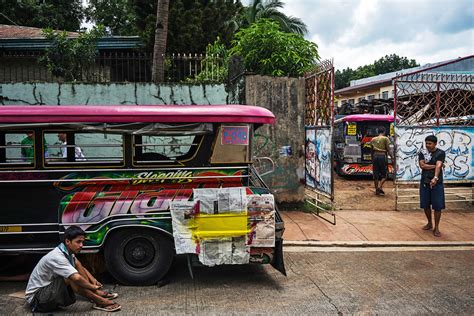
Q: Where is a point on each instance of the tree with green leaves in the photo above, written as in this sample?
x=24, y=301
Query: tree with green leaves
x=386, y=64
x=267, y=50
x=64, y=15
x=117, y=15
x=70, y=58
x=192, y=24
x=270, y=9
x=343, y=78
x=393, y=62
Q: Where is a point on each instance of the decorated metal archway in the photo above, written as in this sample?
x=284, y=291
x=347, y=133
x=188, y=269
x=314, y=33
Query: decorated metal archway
x=319, y=120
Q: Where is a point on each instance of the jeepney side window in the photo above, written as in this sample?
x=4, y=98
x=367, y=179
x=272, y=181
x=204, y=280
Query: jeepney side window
x=232, y=144
x=164, y=149
x=87, y=148
x=339, y=131
x=17, y=148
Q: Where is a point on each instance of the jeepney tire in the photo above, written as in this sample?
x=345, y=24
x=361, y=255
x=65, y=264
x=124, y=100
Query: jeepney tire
x=138, y=256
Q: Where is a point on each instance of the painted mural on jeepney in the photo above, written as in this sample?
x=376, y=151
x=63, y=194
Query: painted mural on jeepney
x=145, y=195
x=457, y=142
x=361, y=169
x=318, y=159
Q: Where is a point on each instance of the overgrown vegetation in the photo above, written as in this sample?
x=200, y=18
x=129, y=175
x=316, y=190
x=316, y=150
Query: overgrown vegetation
x=266, y=50
x=70, y=58
x=215, y=66
x=58, y=15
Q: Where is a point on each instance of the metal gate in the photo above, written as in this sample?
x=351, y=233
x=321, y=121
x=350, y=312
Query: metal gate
x=436, y=101
x=319, y=121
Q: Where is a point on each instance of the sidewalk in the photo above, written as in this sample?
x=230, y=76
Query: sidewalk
x=377, y=227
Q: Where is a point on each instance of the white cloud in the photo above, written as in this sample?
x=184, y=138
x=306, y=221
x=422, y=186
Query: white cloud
x=357, y=32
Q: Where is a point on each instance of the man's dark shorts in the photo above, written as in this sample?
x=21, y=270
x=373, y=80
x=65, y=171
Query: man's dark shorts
x=379, y=166
x=433, y=197
x=52, y=296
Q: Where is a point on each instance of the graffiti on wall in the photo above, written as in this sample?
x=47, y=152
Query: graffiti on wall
x=457, y=142
x=318, y=159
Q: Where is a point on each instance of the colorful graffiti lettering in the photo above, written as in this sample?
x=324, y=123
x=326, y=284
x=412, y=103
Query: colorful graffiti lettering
x=161, y=177
x=318, y=159
x=456, y=142
x=93, y=206
x=92, y=201
x=353, y=169
x=235, y=135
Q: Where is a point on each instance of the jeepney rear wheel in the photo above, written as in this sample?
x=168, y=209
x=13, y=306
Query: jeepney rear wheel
x=138, y=257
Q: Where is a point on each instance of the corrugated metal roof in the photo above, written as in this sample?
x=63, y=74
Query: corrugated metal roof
x=18, y=32
x=382, y=79
x=31, y=38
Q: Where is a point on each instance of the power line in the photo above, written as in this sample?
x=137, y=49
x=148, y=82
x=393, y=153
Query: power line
x=6, y=17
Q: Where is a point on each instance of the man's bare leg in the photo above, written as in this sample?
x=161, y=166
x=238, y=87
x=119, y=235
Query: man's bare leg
x=437, y=216
x=376, y=183
x=88, y=276
x=91, y=295
x=428, y=217
x=85, y=274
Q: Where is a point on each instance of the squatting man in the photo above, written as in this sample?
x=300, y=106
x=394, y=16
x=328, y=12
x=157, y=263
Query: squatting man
x=59, y=275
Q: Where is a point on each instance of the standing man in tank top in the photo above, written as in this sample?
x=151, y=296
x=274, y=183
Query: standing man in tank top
x=380, y=150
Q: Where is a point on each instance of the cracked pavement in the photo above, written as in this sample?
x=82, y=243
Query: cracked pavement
x=414, y=282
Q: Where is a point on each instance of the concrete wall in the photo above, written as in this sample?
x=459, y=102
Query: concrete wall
x=285, y=98
x=116, y=93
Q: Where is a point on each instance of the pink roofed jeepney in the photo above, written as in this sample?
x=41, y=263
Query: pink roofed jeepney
x=352, y=136
x=145, y=182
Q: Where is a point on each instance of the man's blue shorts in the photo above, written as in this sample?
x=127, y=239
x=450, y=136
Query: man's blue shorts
x=433, y=197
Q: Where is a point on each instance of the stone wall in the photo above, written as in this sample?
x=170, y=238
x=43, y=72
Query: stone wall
x=285, y=98
x=114, y=93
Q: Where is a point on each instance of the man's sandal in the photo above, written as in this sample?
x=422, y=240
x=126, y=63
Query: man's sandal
x=110, y=295
x=108, y=308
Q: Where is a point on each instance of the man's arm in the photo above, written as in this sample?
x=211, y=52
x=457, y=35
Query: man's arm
x=82, y=282
x=438, y=166
x=93, y=280
x=425, y=166
x=387, y=148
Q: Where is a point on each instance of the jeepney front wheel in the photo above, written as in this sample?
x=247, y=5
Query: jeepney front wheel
x=138, y=257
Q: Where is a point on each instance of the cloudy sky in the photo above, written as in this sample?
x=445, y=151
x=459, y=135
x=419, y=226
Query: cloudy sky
x=357, y=32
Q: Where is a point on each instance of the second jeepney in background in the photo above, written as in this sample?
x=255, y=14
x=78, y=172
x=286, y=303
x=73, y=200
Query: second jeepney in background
x=352, y=136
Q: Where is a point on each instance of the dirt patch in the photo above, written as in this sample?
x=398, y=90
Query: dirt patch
x=359, y=194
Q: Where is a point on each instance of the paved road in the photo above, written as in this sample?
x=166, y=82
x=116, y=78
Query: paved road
x=421, y=282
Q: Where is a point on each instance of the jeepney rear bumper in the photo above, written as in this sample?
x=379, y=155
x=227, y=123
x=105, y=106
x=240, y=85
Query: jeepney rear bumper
x=278, y=261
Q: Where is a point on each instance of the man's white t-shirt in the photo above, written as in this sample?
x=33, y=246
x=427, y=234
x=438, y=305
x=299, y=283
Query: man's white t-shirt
x=52, y=265
x=77, y=152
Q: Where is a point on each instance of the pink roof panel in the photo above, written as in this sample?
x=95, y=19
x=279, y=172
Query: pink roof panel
x=367, y=117
x=136, y=113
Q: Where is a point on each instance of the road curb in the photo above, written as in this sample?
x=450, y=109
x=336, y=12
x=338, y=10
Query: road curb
x=361, y=244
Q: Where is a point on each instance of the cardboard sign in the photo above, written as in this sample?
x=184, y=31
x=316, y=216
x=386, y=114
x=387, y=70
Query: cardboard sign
x=352, y=129
x=235, y=135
